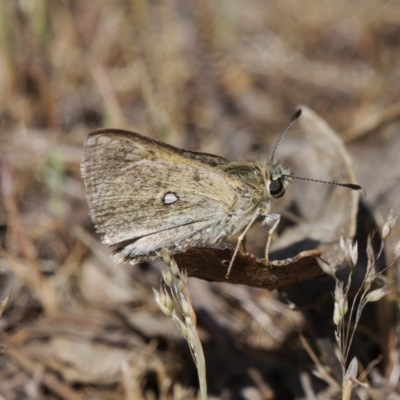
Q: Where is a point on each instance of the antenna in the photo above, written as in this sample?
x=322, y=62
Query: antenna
x=288, y=126
x=295, y=117
x=351, y=186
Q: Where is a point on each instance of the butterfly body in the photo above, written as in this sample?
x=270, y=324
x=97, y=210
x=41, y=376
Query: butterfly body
x=145, y=195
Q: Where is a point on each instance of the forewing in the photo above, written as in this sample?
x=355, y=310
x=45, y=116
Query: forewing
x=127, y=178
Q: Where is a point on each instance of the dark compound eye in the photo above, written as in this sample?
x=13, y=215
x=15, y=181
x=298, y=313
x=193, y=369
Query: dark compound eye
x=276, y=188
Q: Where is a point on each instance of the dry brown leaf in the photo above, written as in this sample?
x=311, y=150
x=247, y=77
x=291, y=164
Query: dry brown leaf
x=211, y=263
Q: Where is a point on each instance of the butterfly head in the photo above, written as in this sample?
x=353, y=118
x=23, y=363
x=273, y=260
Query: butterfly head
x=279, y=180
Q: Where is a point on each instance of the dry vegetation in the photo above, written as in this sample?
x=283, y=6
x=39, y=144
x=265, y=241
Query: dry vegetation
x=222, y=77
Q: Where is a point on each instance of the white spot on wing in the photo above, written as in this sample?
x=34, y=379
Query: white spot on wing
x=90, y=140
x=170, y=198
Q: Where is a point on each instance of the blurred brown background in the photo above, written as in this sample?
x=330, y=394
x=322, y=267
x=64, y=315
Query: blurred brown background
x=216, y=76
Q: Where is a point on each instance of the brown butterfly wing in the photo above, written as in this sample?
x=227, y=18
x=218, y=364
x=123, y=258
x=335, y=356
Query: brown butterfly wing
x=145, y=195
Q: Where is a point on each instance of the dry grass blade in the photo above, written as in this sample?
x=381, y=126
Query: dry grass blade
x=174, y=296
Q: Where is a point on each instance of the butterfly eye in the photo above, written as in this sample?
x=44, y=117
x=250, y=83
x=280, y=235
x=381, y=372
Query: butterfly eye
x=276, y=188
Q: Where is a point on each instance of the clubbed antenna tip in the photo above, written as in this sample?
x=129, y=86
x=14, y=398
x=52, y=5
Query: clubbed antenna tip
x=351, y=186
x=296, y=115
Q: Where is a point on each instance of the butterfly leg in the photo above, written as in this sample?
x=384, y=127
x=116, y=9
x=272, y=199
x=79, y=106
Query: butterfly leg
x=240, y=240
x=274, y=220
